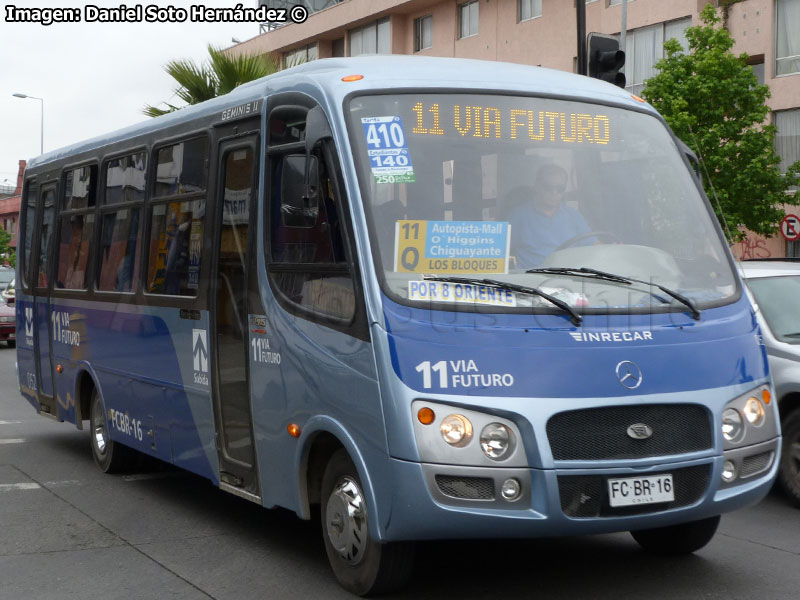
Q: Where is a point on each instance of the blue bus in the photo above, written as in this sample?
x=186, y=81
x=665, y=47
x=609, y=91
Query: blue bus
x=435, y=298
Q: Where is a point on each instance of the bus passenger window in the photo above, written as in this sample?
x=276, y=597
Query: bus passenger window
x=120, y=231
x=46, y=233
x=76, y=227
x=28, y=225
x=177, y=222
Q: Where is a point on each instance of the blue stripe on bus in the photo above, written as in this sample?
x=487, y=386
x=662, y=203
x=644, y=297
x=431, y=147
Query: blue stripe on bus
x=515, y=355
x=142, y=360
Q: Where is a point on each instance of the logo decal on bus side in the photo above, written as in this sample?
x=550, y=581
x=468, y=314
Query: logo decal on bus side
x=200, y=355
x=29, y=324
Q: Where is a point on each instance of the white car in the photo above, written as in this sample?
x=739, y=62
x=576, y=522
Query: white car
x=775, y=287
x=8, y=290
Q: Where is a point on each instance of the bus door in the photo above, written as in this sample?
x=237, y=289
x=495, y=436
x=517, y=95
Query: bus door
x=42, y=312
x=236, y=210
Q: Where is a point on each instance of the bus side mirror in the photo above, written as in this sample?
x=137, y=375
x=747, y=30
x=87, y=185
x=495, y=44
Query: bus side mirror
x=299, y=190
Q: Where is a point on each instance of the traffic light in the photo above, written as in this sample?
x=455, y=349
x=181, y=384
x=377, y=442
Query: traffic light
x=605, y=58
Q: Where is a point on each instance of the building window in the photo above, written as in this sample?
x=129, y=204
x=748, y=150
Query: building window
x=300, y=56
x=757, y=63
x=787, y=140
x=371, y=39
x=787, y=36
x=644, y=47
x=529, y=9
x=468, y=19
x=423, y=33
x=613, y=3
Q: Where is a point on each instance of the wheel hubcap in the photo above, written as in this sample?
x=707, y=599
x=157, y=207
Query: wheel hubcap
x=346, y=520
x=99, y=431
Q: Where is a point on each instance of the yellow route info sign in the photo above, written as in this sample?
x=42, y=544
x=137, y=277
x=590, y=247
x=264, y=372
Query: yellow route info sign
x=451, y=246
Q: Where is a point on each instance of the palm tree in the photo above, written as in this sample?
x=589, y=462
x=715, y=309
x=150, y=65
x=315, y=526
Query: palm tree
x=222, y=73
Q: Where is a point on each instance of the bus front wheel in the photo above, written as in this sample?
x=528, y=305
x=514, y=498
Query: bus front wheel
x=362, y=565
x=683, y=538
x=109, y=456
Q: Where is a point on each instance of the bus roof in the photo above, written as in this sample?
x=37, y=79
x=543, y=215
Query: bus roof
x=379, y=72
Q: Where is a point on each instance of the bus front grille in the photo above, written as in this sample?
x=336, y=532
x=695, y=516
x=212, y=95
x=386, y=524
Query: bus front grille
x=602, y=433
x=586, y=496
x=758, y=463
x=466, y=488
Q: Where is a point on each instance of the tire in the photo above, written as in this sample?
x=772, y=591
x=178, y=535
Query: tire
x=12, y=343
x=789, y=468
x=362, y=565
x=110, y=456
x=684, y=538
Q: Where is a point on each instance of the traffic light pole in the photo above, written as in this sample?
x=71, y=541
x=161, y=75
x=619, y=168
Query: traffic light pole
x=580, y=13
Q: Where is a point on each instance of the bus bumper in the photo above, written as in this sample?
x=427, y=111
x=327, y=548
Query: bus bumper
x=435, y=501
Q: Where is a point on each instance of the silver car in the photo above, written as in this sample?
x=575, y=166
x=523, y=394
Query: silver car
x=775, y=287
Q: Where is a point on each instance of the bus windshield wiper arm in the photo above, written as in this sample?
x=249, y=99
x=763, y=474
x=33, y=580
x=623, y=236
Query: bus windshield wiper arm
x=575, y=318
x=587, y=272
x=583, y=271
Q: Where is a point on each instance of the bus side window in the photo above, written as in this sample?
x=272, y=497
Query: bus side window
x=46, y=235
x=309, y=263
x=177, y=219
x=120, y=232
x=76, y=226
x=29, y=219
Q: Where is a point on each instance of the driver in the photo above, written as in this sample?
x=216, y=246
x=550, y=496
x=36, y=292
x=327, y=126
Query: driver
x=542, y=222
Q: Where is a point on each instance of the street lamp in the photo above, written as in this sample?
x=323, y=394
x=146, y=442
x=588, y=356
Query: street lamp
x=41, y=100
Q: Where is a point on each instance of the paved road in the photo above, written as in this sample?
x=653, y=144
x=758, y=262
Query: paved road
x=69, y=531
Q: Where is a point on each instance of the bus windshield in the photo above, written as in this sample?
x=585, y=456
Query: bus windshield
x=508, y=189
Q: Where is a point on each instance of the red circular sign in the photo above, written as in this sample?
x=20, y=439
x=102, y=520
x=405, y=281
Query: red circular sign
x=790, y=228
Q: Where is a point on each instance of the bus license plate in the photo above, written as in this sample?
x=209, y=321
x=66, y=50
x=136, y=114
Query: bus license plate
x=641, y=490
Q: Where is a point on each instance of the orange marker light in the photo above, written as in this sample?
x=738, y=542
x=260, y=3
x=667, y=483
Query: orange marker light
x=766, y=396
x=638, y=99
x=59, y=368
x=426, y=415
x=352, y=78
x=294, y=430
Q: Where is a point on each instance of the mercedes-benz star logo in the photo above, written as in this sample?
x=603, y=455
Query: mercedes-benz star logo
x=629, y=374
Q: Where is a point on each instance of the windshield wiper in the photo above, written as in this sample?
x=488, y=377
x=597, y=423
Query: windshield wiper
x=595, y=274
x=575, y=318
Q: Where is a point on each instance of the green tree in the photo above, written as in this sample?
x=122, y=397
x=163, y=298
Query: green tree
x=219, y=75
x=6, y=253
x=713, y=102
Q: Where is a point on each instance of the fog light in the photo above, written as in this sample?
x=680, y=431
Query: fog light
x=510, y=489
x=456, y=430
x=754, y=411
x=732, y=425
x=497, y=440
x=728, y=471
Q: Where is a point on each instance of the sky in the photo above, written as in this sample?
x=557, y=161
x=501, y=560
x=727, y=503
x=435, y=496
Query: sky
x=93, y=77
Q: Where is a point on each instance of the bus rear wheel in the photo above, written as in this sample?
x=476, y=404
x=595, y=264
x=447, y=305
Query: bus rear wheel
x=108, y=455
x=683, y=538
x=362, y=565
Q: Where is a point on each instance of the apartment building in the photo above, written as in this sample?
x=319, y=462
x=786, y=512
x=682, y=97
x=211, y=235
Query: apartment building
x=543, y=32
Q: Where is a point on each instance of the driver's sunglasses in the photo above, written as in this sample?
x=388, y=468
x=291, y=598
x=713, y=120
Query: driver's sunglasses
x=556, y=188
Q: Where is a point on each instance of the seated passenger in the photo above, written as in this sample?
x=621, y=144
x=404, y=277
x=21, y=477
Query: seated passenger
x=541, y=223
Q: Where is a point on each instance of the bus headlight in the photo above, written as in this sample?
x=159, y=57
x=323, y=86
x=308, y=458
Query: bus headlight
x=497, y=441
x=754, y=411
x=732, y=425
x=456, y=430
